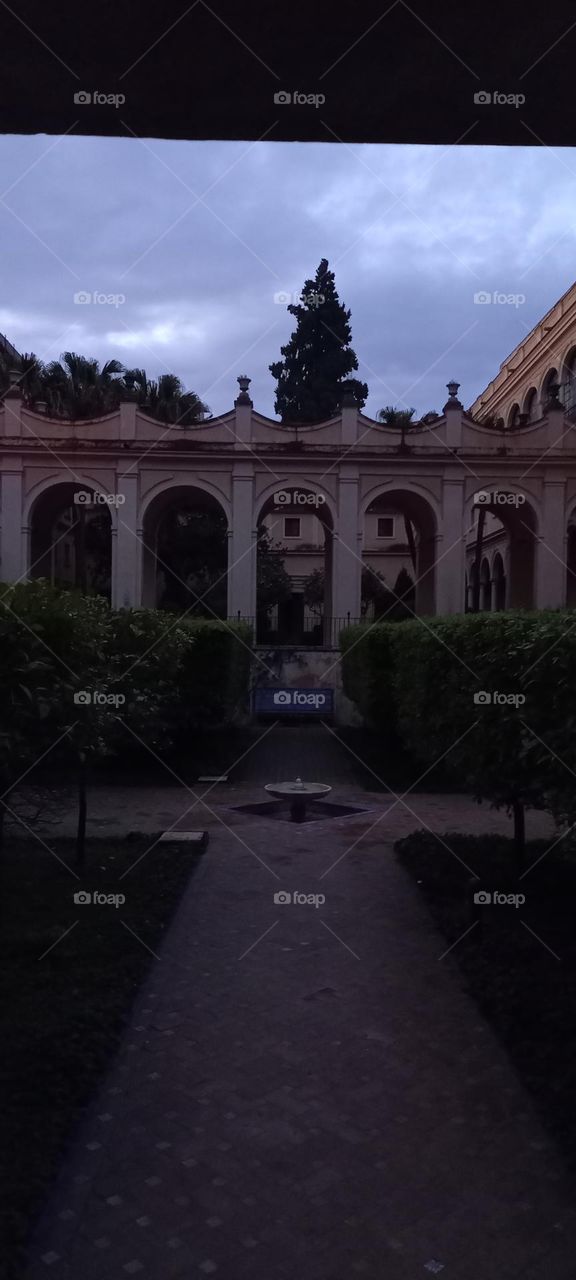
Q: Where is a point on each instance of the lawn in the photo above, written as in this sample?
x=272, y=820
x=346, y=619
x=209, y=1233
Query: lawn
x=518, y=961
x=67, y=999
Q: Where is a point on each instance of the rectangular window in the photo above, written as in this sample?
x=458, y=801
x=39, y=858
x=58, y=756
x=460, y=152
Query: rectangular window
x=291, y=526
x=385, y=526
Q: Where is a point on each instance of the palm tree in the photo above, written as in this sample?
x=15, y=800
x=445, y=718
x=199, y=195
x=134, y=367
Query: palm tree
x=76, y=386
x=165, y=398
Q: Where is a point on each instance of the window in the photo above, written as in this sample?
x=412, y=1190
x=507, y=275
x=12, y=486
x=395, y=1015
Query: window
x=385, y=527
x=291, y=526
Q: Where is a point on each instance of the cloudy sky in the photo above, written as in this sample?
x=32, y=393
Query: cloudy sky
x=194, y=239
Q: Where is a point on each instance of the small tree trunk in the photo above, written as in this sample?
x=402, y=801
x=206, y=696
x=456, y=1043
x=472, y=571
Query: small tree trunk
x=81, y=830
x=519, y=835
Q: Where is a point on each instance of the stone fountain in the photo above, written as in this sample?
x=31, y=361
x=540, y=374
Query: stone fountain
x=298, y=793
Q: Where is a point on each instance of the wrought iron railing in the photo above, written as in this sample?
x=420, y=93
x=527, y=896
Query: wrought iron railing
x=307, y=633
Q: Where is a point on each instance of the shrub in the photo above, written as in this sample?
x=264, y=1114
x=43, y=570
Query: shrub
x=510, y=754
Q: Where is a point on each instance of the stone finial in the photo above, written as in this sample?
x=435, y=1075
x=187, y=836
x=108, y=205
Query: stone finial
x=453, y=401
x=243, y=396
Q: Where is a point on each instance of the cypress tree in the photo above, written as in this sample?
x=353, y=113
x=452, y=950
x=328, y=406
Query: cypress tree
x=318, y=359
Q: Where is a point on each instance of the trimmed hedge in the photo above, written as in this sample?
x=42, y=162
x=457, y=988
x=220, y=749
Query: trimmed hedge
x=422, y=677
x=174, y=676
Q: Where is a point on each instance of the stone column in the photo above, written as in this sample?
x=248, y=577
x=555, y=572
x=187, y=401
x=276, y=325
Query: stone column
x=13, y=541
x=347, y=563
x=451, y=549
x=242, y=544
x=126, y=546
x=551, y=547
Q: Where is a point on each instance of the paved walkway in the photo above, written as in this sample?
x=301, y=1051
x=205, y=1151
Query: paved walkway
x=306, y=1092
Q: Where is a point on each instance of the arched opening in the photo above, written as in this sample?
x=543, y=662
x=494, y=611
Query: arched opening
x=398, y=556
x=530, y=404
x=71, y=539
x=485, y=589
x=550, y=380
x=471, y=587
x=513, y=415
x=294, y=556
x=568, y=384
x=498, y=583
x=503, y=525
x=185, y=554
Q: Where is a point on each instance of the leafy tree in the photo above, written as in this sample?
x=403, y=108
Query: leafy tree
x=318, y=359
x=314, y=591
x=273, y=583
x=76, y=387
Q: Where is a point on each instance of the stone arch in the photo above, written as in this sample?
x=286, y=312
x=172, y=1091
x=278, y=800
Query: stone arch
x=69, y=533
x=76, y=482
x=568, y=381
x=550, y=378
x=512, y=417
x=521, y=522
x=420, y=515
x=530, y=404
x=301, y=611
x=182, y=482
x=301, y=483
x=485, y=586
x=184, y=536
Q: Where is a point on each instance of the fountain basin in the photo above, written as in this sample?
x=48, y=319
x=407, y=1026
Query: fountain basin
x=298, y=793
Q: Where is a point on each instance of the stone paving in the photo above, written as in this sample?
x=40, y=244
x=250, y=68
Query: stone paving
x=306, y=1092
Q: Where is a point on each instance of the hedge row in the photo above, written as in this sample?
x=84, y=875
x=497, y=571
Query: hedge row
x=424, y=680
x=158, y=678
